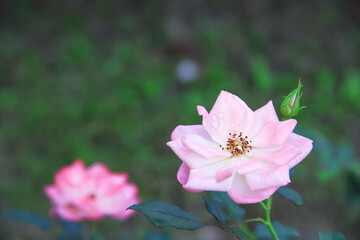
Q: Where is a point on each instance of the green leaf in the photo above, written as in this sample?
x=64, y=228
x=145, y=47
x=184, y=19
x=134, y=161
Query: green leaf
x=232, y=207
x=331, y=236
x=290, y=194
x=283, y=232
x=217, y=209
x=167, y=215
x=239, y=233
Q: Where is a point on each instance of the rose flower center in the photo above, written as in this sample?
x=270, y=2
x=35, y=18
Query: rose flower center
x=237, y=144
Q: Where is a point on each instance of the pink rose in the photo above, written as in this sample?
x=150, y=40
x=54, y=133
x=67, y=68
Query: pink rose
x=243, y=152
x=79, y=193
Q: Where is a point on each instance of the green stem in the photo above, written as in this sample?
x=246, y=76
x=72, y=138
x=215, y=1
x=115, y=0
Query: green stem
x=264, y=206
x=267, y=207
x=247, y=231
x=253, y=220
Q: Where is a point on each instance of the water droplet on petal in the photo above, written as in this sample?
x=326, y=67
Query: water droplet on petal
x=215, y=121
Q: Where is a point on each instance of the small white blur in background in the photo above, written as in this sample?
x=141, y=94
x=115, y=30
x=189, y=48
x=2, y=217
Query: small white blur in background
x=187, y=70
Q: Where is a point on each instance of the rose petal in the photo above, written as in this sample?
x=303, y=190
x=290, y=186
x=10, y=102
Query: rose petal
x=275, y=176
x=123, y=214
x=98, y=170
x=303, y=144
x=280, y=157
x=241, y=193
x=204, y=148
x=229, y=114
x=55, y=196
x=240, y=165
x=183, y=173
x=118, y=202
x=91, y=207
x=72, y=174
x=267, y=113
x=73, y=182
x=263, y=115
x=182, y=130
x=204, y=178
x=274, y=133
x=110, y=184
x=70, y=213
x=188, y=156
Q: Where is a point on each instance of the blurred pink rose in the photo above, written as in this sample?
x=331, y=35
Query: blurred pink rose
x=90, y=194
x=247, y=154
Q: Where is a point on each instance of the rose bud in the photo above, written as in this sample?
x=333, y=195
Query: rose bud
x=290, y=106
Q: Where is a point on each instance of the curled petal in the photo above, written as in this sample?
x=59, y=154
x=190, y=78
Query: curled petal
x=204, y=148
x=183, y=173
x=192, y=159
x=304, y=146
x=241, y=193
x=203, y=178
x=183, y=130
x=183, y=177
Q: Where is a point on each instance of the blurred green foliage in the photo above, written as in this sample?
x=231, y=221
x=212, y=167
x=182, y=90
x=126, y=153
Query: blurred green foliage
x=261, y=74
x=99, y=83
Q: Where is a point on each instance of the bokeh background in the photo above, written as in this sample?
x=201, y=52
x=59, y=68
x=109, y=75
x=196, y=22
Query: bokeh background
x=109, y=80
